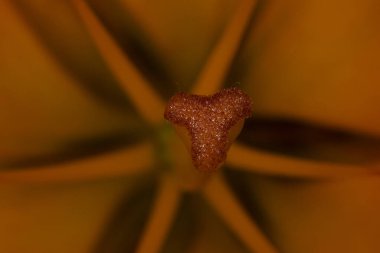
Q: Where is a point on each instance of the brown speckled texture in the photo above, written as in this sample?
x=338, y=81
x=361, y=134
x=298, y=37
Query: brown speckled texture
x=208, y=120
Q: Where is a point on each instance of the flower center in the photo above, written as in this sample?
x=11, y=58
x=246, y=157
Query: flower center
x=207, y=125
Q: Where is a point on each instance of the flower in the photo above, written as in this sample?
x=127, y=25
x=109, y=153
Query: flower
x=88, y=160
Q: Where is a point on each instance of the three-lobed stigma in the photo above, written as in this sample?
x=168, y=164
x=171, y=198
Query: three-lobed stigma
x=209, y=121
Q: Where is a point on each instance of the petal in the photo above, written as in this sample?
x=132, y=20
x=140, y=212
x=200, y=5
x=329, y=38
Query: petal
x=57, y=26
x=67, y=217
x=198, y=229
x=305, y=216
x=304, y=61
x=43, y=109
x=306, y=140
x=182, y=33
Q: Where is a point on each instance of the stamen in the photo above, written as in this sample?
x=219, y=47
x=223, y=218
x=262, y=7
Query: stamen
x=219, y=195
x=133, y=160
x=219, y=61
x=209, y=121
x=161, y=218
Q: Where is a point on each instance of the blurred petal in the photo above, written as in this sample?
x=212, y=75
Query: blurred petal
x=42, y=109
x=60, y=218
x=55, y=24
x=161, y=217
x=311, y=141
x=250, y=160
x=143, y=97
x=304, y=216
x=221, y=198
x=211, y=77
x=183, y=33
x=198, y=229
x=136, y=159
x=304, y=61
x=135, y=42
x=125, y=223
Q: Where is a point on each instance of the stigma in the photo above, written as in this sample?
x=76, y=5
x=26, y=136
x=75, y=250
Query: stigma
x=209, y=124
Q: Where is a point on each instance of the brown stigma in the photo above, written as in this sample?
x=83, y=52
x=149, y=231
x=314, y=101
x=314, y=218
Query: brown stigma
x=208, y=120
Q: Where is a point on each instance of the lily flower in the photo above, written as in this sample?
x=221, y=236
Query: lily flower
x=89, y=163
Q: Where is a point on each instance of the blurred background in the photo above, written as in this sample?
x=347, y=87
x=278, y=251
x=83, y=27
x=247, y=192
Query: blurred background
x=311, y=68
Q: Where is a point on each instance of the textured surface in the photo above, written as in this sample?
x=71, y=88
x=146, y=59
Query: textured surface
x=208, y=120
